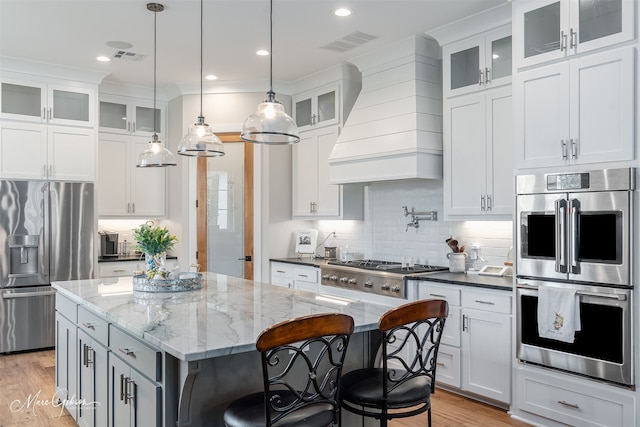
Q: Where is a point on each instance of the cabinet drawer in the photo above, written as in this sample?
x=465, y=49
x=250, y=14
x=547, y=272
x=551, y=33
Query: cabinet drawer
x=94, y=325
x=451, y=294
x=487, y=301
x=305, y=274
x=66, y=307
x=281, y=270
x=119, y=269
x=448, y=370
x=573, y=401
x=139, y=355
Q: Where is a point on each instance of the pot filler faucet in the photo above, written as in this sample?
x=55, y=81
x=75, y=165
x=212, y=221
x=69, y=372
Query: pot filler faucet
x=415, y=218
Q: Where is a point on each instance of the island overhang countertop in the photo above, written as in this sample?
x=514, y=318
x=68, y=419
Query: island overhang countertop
x=224, y=317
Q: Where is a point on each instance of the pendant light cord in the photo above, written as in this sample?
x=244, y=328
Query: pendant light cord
x=201, y=118
x=155, y=47
x=271, y=94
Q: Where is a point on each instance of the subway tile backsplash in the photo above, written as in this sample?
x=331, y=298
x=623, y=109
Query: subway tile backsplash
x=384, y=233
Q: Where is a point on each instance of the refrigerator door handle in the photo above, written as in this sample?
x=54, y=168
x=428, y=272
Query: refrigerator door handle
x=45, y=268
x=14, y=295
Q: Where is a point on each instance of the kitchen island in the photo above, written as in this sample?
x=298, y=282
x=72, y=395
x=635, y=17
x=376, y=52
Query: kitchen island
x=178, y=357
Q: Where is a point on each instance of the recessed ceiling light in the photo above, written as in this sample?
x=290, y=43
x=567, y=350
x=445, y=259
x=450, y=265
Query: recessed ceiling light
x=119, y=45
x=211, y=77
x=262, y=52
x=342, y=12
x=103, y=58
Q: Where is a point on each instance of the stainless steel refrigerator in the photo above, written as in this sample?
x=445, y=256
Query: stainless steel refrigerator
x=46, y=234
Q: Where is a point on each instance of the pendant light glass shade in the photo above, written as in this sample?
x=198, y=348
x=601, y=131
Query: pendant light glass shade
x=201, y=141
x=156, y=154
x=270, y=124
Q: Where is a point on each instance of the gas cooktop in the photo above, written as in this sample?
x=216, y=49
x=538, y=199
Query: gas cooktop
x=388, y=266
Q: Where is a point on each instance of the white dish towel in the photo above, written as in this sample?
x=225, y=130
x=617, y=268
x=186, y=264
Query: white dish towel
x=558, y=313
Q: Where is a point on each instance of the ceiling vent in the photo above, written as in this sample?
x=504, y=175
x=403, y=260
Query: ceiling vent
x=355, y=39
x=127, y=56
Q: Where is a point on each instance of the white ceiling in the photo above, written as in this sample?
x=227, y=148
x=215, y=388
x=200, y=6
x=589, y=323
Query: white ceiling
x=75, y=32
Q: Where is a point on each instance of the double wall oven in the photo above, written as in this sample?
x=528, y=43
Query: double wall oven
x=574, y=230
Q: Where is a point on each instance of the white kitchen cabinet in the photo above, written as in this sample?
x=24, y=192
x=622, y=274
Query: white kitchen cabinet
x=475, y=349
x=576, y=112
x=478, y=165
x=486, y=344
x=124, y=189
x=35, y=151
x=317, y=108
x=304, y=277
x=57, y=104
x=313, y=196
x=92, y=381
x=131, y=116
x=572, y=400
x=554, y=29
x=477, y=63
x=66, y=356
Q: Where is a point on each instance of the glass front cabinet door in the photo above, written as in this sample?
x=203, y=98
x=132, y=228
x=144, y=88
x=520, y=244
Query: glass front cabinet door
x=316, y=108
x=552, y=29
x=130, y=117
x=46, y=103
x=478, y=63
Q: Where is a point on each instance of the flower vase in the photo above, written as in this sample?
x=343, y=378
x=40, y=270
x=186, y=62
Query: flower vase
x=155, y=265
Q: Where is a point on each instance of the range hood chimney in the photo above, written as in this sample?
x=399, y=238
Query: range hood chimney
x=394, y=130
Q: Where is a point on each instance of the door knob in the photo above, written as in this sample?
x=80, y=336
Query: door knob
x=246, y=258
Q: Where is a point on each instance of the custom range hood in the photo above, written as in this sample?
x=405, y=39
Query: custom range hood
x=394, y=130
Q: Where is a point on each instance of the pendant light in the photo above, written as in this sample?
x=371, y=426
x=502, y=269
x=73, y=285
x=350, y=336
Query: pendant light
x=156, y=154
x=201, y=141
x=270, y=124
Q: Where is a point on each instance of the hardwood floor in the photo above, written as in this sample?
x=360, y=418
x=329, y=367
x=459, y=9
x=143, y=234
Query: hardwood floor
x=27, y=385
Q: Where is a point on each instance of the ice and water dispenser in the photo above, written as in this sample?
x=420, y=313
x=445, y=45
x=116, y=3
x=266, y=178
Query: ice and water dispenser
x=23, y=255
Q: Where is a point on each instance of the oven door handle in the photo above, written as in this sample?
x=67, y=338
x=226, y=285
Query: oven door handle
x=561, y=211
x=618, y=297
x=573, y=249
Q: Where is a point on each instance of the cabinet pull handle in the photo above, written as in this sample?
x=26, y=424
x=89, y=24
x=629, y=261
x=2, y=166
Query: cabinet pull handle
x=90, y=356
x=89, y=325
x=44, y=171
x=437, y=295
x=127, y=352
x=134, y=127
x=280, y=271
x=128, y=126
x=573, y=38
x=440, y=364
x=483, y=206
x=464, y=322
x=563, y=40
x=488, y=202
x=569, y=405
x=119, y=271
x=313, y=119
x=133, y=207
x=479, y=301
x=563, y=148
x=303, y=275
x=486, y=75
x=122, y=387
x=480, y=77
x=50, y=113
x=44, y=113
x=574, y=148
x=84, y=355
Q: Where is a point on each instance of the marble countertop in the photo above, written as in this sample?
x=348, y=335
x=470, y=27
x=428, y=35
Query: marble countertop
x=490, y=282
x=224, y=317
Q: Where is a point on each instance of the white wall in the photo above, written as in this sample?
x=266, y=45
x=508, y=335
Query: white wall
x=382, y=234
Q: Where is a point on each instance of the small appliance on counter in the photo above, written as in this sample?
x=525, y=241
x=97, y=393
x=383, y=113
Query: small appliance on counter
x=108, y=243
x=330, y=253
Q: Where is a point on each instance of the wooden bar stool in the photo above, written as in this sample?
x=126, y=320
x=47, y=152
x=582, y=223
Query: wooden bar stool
x=302, y=362
x=402, y=387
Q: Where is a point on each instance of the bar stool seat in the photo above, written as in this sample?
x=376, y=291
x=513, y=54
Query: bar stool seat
x=302, y=361
x=364, y=387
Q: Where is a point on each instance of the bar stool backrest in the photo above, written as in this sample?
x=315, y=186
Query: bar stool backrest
x=302, y=361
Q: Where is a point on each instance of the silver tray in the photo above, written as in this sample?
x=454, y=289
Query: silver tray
x=186, y=281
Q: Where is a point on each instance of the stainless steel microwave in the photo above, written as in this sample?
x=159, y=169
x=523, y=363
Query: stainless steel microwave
x=576, y=226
